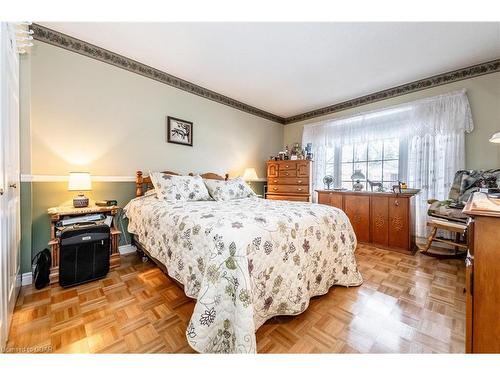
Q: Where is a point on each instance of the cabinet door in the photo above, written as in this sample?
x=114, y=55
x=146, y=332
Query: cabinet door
x=399, y=223
x=323, y=198
x=272, y=170
x=336, y=200
x=303, y=169
x=357, y=208
x=379, y=224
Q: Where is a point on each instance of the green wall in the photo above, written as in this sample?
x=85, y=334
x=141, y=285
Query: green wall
x=37, y=197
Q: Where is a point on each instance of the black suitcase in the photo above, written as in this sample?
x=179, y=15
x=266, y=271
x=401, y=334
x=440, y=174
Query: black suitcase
x=83, y=254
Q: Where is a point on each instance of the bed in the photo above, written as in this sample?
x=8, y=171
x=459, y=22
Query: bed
x=244, y=261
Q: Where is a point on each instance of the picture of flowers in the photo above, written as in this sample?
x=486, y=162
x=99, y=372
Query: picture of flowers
x=179, y=131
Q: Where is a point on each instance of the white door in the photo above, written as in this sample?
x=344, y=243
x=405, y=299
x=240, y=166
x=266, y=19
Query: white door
x=10, y=278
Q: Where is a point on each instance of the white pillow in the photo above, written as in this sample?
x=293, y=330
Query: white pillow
x=226, y=190
x=179, y=188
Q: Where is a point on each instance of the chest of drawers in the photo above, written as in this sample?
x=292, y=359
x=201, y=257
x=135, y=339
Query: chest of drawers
x=289, y=180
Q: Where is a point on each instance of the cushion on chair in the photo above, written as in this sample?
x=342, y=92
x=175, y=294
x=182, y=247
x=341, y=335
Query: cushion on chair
x=466, y=182
x=441, y=210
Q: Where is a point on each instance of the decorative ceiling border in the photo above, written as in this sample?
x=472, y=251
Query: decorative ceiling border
x=421, y=84
x=58, y=39
x=44, y=34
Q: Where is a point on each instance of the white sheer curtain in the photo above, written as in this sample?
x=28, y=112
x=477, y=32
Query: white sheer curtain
x=436, y=148
x=433, y=130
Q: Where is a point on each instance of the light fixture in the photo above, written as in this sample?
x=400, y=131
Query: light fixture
x=80, y=181
x=357, y=175
x=250, y=175
x=495, y=138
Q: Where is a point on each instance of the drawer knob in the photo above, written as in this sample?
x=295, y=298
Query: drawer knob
x=287, y=166
x=275, y=189
x=299, y=181
x=299, y=189
x=275, y=181
x=287, y=173
x=396, y=203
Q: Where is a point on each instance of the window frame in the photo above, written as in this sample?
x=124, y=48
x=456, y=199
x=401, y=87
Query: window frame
x=337, y=163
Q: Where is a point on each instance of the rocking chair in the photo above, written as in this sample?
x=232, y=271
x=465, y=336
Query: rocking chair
x=447, y=215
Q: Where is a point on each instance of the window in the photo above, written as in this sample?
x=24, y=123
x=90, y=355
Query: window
x=378, y=160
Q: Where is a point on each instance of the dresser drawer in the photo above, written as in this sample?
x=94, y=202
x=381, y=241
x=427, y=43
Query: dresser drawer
x=288, y=181
x=287, y=173
x=297, y=198
x=300, y=189
x=288, y=166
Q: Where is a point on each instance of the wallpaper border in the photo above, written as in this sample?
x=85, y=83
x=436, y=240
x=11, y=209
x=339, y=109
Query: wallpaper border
x=44, y=34
x=407, y=88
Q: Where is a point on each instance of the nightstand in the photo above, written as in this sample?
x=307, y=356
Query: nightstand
x=58, y=213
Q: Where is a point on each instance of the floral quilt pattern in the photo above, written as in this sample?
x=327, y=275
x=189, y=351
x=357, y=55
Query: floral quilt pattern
x=245, y=260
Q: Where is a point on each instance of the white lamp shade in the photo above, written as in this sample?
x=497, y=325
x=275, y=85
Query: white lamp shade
x=495, y=138
x=358, y=175
x=250, y=174
x=79, y=181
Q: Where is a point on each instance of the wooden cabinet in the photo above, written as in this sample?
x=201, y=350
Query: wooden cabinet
x=289, y=180
x=384, y=219
x=482, y=281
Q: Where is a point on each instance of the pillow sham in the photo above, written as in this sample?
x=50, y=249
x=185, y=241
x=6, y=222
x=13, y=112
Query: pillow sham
x=179, y=188
x=150, y=192
x=236, y=188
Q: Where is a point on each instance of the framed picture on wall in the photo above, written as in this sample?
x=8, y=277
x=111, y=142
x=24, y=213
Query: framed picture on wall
x=179, y=131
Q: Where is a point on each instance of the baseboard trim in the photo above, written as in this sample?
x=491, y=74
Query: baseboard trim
x=26, y=279
x=127, y=249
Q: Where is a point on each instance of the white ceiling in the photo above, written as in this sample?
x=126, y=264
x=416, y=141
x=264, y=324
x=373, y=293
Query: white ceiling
x=290, y=68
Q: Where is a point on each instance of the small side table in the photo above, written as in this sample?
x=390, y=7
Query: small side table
x=57, y=213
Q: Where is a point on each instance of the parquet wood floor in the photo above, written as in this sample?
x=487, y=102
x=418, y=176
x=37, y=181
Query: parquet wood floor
x=407, y=304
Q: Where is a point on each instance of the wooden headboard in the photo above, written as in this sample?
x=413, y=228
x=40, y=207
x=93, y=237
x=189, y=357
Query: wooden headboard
x=143, y=184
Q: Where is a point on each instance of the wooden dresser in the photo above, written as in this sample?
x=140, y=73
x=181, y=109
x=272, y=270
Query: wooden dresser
x=384, y=219
x=289, y=180
x=482, y=330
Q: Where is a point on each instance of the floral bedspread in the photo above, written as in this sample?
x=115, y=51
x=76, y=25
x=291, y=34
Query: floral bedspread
x=245, y=260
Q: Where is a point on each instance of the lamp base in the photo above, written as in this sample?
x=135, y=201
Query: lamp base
x=358, y=186
x=80, y=201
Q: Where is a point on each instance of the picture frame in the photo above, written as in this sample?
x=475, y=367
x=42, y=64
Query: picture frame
x=179, y=131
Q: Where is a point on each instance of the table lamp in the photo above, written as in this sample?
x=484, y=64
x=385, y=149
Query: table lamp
x=80, y=181
x=250, y=175
x=357, y=175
